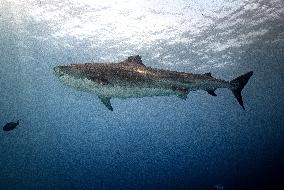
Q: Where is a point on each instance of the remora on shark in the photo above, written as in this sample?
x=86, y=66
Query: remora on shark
x=132, y=79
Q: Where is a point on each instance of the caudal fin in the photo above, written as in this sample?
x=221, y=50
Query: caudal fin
x=238, y=84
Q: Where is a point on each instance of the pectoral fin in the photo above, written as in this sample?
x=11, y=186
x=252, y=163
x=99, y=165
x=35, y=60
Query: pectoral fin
x=181, y=92
x=106, y=102
x=211, y=92
x=182, y=96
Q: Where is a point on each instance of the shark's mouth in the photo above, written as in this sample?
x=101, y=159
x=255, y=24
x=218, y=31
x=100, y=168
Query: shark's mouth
x=57, y=71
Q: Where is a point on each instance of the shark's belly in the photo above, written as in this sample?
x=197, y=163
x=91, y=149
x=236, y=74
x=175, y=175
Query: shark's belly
x=117, y=91
x=130, y=92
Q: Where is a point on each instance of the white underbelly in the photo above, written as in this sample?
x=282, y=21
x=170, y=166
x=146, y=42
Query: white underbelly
x=110, y=90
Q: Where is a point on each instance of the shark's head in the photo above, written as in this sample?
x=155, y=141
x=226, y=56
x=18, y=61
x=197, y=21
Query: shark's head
x=76, y=76
x=71, y=75
x=67, y=71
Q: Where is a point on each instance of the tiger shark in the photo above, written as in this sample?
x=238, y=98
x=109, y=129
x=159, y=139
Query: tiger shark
x=132, y=79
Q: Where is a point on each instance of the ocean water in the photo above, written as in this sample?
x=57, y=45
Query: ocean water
x=67, y=139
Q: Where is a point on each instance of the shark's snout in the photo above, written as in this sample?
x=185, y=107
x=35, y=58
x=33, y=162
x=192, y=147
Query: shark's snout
x=57, y=71
x=60, y=70
x=67, y=70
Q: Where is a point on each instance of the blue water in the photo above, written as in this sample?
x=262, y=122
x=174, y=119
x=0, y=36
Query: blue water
x=67, y=139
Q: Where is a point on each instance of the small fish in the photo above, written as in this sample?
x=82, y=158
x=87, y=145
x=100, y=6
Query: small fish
x=10, y=126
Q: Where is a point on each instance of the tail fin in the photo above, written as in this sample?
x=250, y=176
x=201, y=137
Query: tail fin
x=238, y=84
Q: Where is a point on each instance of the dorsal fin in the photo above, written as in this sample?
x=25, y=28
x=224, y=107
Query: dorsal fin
x=208, y=74
x=134, y=60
